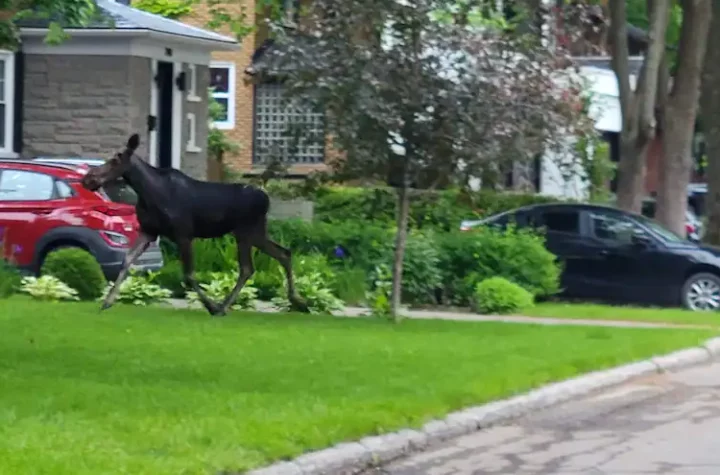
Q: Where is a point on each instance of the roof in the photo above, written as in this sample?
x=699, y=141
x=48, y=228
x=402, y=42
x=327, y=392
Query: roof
x=114, y=16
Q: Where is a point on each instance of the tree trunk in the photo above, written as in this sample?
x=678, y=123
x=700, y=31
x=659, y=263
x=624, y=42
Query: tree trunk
x=679, y=114
x=400, y=239
x=631, y=172
x=638, y=106
x=710, y=110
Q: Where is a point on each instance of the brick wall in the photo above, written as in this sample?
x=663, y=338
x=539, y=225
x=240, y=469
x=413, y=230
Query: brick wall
x=70, y=112
x=242, y=131
x=244, y=110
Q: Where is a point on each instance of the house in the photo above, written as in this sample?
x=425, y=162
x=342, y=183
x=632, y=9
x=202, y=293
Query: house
x=254, y=115
x=127, y=71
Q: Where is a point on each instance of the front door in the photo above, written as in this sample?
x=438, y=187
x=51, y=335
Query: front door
x=165, y=86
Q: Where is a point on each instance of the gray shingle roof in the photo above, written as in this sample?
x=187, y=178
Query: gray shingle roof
x=113, y=15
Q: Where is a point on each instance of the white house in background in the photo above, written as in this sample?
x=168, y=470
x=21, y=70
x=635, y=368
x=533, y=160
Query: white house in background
x=604, y=110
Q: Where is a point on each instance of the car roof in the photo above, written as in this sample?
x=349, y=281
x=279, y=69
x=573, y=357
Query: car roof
x=66, y=171
x=578, y=206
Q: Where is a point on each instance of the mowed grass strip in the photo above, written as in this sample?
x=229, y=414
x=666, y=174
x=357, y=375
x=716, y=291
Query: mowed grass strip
x=161, y=391
x=624, y=313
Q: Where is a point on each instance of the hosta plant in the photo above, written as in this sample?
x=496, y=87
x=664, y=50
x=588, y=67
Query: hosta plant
x=219, y=287
x=318, y=297
x=138, y=290
x=48, y=288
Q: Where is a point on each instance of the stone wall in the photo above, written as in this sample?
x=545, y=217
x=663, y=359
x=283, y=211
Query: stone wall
x=84, y=105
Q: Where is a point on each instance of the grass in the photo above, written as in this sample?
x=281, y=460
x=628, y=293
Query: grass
x=610, y=312
x=161, y=391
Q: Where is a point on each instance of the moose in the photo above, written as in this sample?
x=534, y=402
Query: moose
x=174, y=205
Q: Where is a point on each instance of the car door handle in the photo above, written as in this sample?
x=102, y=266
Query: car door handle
x=42, y=211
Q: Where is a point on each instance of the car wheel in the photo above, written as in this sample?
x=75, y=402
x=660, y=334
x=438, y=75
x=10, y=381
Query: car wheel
x=701, y=292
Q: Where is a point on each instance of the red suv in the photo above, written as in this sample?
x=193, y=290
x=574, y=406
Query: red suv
x=44, y=207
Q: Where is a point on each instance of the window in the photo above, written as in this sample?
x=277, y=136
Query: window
x=192, y=84
x=222, y=83
x=7, y=82
x=614, y=227
x=293, y=134
x=20, y=185
x=566, y=221
x=191, y=145
x=63, y=190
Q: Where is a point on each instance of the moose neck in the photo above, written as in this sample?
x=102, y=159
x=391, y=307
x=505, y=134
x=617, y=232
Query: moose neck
x=143, y=179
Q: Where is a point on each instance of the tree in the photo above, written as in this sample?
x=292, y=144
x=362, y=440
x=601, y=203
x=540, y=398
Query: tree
x=710, y=114
x=638, y=105
x=408, y=87
x=679, y=109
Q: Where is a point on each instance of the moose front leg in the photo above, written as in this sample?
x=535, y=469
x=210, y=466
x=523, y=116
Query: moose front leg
x=142, y=243
x=245, y=270
x=186, y=256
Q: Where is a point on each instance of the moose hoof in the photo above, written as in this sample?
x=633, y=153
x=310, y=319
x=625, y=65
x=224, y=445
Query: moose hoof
x=105, y=306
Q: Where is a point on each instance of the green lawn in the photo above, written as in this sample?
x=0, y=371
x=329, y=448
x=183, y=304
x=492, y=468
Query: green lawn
x=161, y=391
x=609, y=312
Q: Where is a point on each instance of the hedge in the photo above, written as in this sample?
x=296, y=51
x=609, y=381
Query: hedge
x=436, y=209
x=439, y=266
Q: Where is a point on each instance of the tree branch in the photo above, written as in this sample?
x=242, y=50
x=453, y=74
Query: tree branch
x=621, y=60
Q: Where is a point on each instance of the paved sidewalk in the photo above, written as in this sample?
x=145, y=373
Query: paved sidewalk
x=664, y=424
x=470, y=317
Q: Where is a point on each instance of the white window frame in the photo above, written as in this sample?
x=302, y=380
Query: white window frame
x=230, y=95
x=192, y=81
x=6, y=149
x=191, y=145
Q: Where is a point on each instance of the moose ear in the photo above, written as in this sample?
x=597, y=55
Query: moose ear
x=133, y=142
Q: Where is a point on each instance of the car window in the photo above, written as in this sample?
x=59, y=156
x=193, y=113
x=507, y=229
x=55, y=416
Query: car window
x=63, y=189
x=565, y=221
x=21, y=185
x=120, y=192
x=614, y=227
x=664, y=233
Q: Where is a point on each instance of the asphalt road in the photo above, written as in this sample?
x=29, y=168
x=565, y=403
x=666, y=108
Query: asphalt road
x=666, y=424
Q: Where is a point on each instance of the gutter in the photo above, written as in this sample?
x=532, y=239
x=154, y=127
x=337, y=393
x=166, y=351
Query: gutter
x=215, y=45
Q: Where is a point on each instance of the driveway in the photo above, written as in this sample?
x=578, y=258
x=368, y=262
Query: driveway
x=666, y=424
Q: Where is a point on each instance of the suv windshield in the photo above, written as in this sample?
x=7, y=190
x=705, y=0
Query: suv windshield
x=664, y=233
x=120, y=192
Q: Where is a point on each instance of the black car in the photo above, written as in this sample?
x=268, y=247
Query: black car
x=612, y=255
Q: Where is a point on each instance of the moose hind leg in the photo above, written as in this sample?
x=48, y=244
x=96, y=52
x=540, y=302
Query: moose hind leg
x=186, y=255
x=284, y=257
x=143, y=241
x=245, y=270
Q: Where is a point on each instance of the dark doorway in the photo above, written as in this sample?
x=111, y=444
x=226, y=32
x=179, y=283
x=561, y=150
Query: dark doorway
x=164, y=80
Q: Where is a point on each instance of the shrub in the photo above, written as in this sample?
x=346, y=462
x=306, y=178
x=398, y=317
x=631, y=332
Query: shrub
x=467, y=258
x=421, y=272
x=10, y=279
x=218, y=285
x=171, y=277
x=351, y=285
x=48, y=288
x=313, y=289
x=436, y=209
x=78, y=269
x=137, y=289
x=355, y=243
x=498, y=295
x=379, y=297
x=215, y=255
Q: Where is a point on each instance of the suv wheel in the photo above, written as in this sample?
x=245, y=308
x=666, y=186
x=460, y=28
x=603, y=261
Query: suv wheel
x=701, y=292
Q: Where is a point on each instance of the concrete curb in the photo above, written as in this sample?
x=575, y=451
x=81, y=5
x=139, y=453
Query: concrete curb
x=350, y=458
